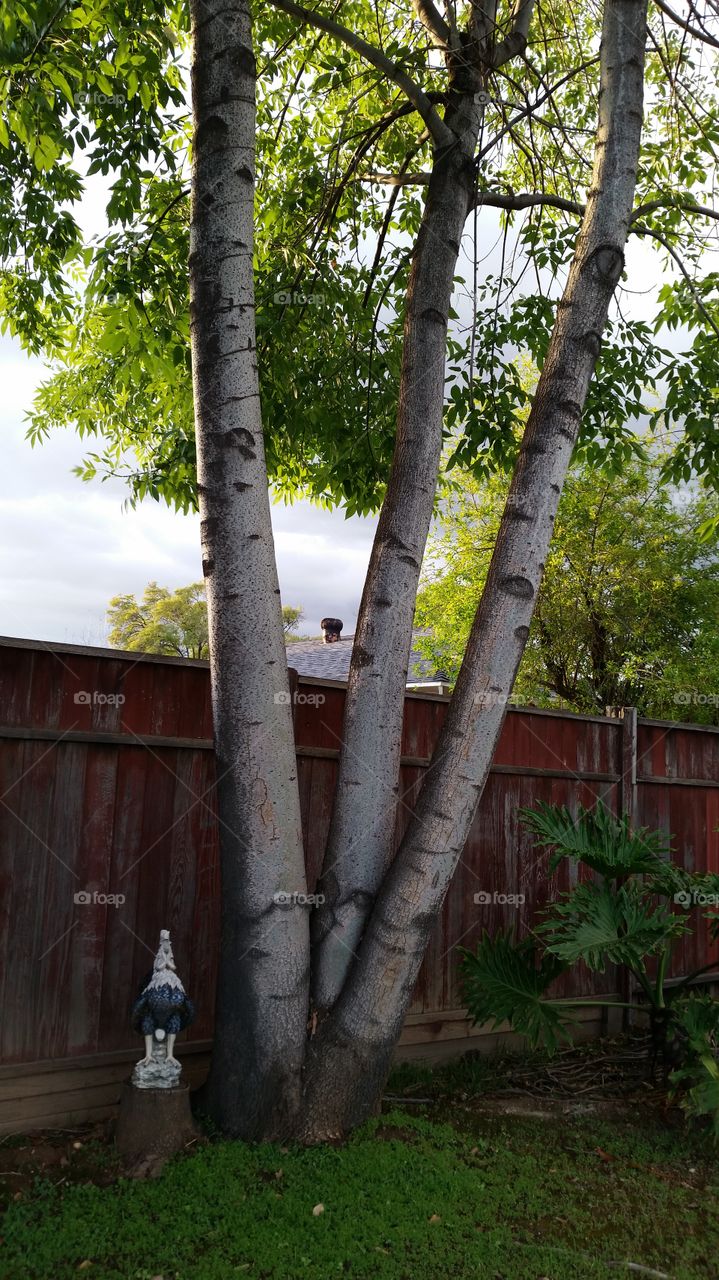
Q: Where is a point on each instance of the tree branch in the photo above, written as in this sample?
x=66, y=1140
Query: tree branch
x=687, y=26
x=516, y=41
x=674, y=202
x=420, y=179
x=490, y=199
x=440, y=32
x=526, y=200
x=443, y=137
x=530, y=199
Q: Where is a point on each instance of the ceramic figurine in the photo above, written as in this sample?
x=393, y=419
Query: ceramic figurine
x=161, y=1011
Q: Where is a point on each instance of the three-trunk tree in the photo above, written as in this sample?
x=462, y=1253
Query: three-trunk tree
x=370, y=937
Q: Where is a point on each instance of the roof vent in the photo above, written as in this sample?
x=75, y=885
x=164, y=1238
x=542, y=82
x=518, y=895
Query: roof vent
x=331, y=629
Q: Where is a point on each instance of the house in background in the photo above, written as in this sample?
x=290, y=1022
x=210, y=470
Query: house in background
x=327, y=657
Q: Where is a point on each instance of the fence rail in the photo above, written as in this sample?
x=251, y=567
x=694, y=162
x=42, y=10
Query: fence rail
x=107, y=793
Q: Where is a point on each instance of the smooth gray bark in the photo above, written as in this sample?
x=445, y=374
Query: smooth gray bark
x=262, y=995
x=350, y=1056
x=360, y=843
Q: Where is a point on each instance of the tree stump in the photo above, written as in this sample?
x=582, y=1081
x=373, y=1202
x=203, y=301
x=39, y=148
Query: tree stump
x=152, y=1126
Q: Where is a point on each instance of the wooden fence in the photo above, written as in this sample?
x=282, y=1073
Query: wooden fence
x=108, y=833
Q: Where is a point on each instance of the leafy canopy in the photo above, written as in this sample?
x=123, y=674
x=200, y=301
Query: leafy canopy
x=99, y=87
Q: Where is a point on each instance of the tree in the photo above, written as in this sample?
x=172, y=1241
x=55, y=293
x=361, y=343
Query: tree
x=170, y=622
x=626, y=613
x=291, y=619
x=161, y=622
x=285, y=1062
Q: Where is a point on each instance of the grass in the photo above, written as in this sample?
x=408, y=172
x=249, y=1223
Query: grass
x=410, y=1197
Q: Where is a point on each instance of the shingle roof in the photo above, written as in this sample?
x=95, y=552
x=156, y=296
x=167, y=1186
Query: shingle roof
x=332, y=661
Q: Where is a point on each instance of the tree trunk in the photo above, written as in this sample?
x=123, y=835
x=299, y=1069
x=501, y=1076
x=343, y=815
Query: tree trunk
x=262, y=994
x=360, y=841
x=351, y=1054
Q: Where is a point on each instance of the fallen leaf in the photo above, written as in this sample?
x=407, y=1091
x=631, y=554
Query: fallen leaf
x=318, y=1209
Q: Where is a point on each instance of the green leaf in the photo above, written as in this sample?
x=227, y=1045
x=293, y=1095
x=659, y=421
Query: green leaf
x=597, y=838
x=600, y=924
x=504, y=981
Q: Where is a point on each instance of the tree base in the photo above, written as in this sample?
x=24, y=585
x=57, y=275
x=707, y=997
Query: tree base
x=152, y=1126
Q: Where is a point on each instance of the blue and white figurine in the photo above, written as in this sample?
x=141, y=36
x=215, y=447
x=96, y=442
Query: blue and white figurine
x=161, y=1011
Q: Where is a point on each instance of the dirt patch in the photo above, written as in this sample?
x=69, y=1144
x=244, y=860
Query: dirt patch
x=394, y=1133
x=84, y=1154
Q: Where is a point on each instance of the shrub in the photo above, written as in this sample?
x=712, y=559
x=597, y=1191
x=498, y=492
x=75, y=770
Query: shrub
x=620, y=916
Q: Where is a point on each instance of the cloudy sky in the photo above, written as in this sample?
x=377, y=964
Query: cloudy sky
x=70, y=546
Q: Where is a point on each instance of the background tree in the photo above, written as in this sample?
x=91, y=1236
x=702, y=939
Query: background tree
x=173, y=622
x=161, y=622
x=628, y=607
x=525, y=108
x=291, y=619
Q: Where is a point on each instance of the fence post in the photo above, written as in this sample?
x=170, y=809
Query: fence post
x=628, y=805
x=628, y=784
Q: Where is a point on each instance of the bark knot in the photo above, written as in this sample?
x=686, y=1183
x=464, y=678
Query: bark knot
x=517, y=586
x=609, y=262
x=593, y=342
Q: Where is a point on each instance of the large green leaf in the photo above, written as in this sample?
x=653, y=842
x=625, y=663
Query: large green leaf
x=505, y=981
x=602, y=923
x=597, y=838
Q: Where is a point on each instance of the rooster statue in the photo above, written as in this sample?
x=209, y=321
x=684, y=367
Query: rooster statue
x=161, y=1011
